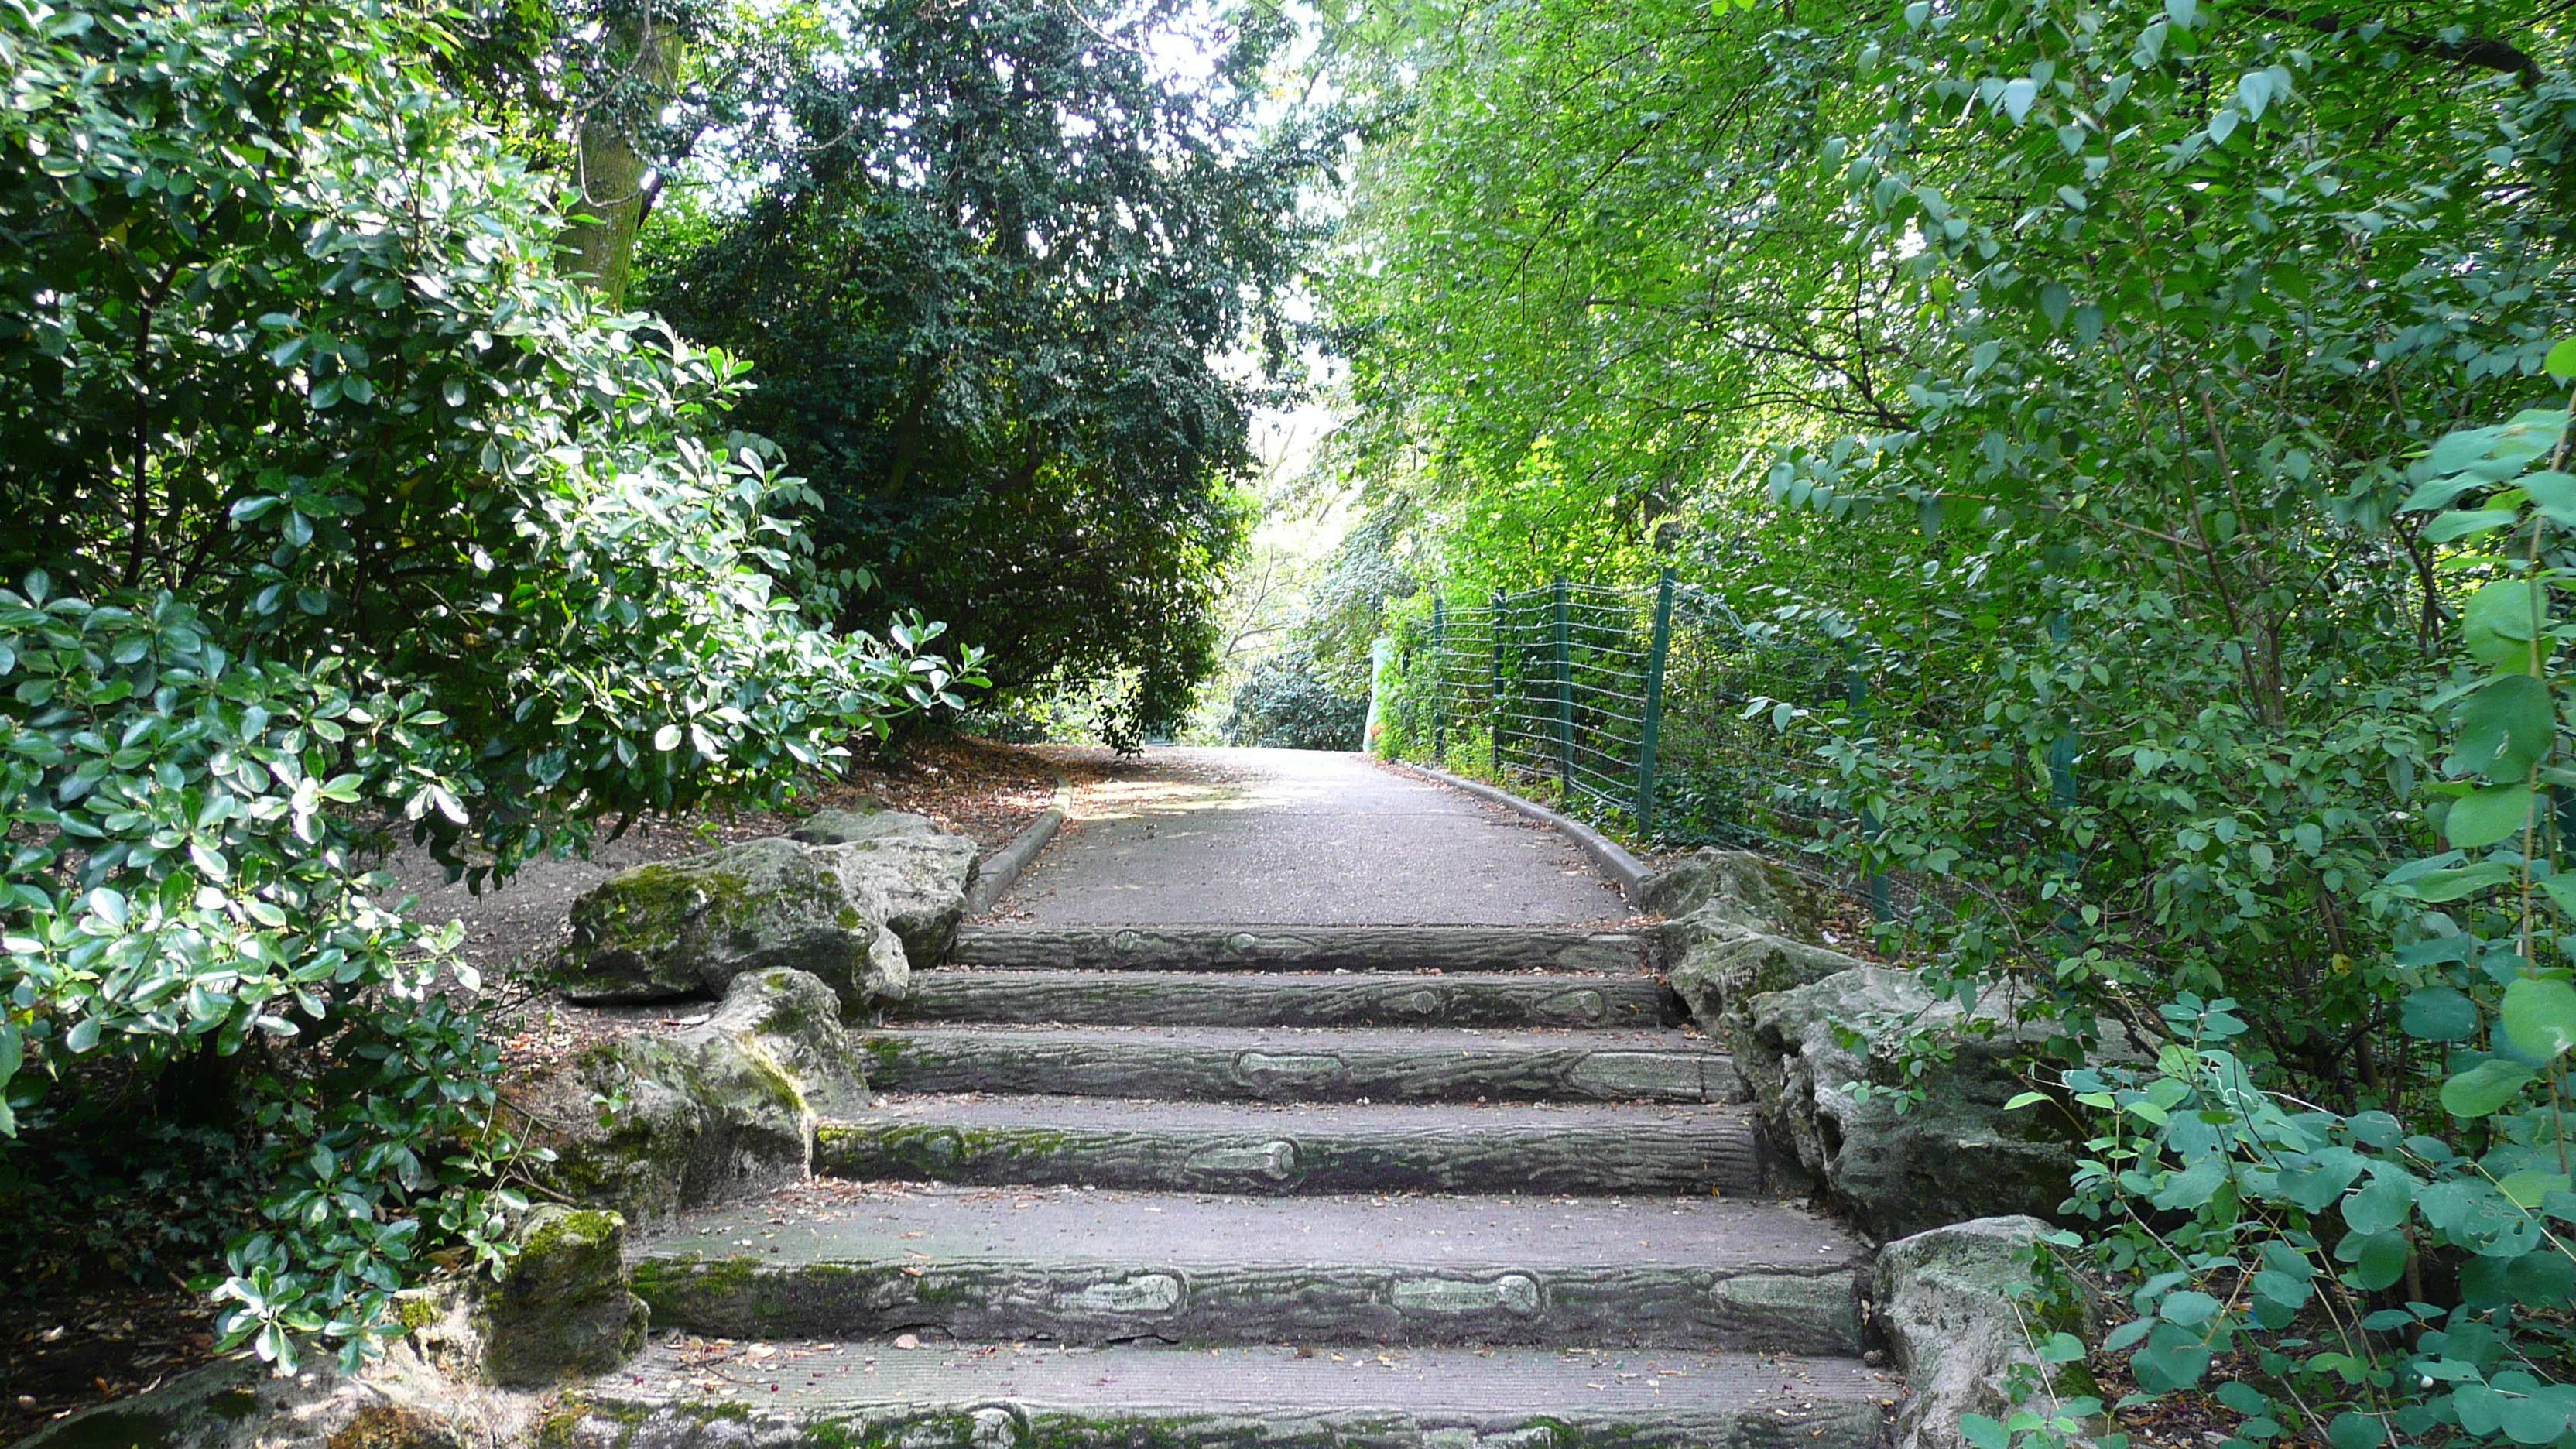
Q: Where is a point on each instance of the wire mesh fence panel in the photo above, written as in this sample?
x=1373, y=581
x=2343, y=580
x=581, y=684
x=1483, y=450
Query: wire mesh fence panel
x=1648, y=708
x=1728, y=775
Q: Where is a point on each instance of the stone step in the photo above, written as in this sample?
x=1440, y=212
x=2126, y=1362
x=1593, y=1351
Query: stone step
x=1182, y=998
x=1298, y=1149
x=845, y=1260
x=1286, y=1064
x=1021, y=1396
x=1302, y=948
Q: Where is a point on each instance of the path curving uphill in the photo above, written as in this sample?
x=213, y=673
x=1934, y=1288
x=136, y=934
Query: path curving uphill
x=1287, y=1102
x=1299, y=837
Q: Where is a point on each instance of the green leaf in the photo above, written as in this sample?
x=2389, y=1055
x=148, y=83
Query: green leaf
x=2381, y=1205
x=2484, y=1088
x=2458, y=881
x=1983, y=1432
x=2483, y=817
x=2530, y=1419
x=2561, y=362
x=2244, y=1398
x=2529, y=1187
x=2507, y=727
x=2540, y=1016
x=2554, y=493
x=2174, y=1358
x=2378, y=1259
x=2190, y=1308
x=2498, y=622
x=667, y=738
x=2356, y=1431
x=2447, y=527
x=2254, y=92
x=2438, y=1013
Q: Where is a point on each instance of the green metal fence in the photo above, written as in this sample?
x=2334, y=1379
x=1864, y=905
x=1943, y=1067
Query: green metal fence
x=1643, y=707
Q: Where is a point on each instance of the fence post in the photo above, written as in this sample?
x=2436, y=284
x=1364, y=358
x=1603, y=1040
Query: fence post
x=1494, y=699
x=1652, y=731
x=1856, y=693
x=1439, y=681
x=1564, y=702
x=1381, y=656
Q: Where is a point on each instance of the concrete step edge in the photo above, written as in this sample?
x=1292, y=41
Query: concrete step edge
x=1291, y=947
x=1086, y=1267
x=1385, y=1064
x=1204, y=1147
x=1345, y=1396
x=1342, y=998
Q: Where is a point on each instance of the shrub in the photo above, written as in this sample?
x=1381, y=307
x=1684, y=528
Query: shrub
x=1286, y=704
x=329, y=503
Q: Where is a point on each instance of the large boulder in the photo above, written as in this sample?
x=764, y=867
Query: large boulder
x=1739, y=886
x=924, y=871
x=1740, y=925
x=651, y=1126
x=1807, y=1052
x=855, y=907
x=1956, y=1304
x=1718, y=963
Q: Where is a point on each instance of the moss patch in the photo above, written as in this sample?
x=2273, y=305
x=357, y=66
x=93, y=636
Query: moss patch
x=390, y=1426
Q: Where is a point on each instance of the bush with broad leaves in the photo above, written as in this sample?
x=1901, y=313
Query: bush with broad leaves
x=329, y=504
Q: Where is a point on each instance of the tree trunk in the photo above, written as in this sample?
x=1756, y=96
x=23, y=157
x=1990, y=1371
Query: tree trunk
x=610, y=170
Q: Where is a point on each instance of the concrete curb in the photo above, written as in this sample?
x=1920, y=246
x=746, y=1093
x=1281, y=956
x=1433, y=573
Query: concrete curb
x=995, y=874
x=1613, y=858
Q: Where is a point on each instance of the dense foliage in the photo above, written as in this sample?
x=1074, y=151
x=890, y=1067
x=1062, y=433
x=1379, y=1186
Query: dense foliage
x=1288, y=704
x=989, y=290
x=2069, y=366
x=327, y=503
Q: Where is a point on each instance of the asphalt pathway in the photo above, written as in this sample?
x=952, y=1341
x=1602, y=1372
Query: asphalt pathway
x=1299, y=837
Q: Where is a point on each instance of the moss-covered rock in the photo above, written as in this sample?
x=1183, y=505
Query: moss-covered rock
x=1719, y=963
x=855, y=907
x=652, y=1125
x=1954, y=1155
x=1739, y=886
x=1742, y=925
x=924, y=871
x=561, y=1309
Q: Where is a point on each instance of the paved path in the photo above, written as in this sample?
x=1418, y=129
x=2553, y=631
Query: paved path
x=1304, y=837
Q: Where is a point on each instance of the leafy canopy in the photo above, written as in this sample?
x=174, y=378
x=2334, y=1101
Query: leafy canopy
x=989, y=292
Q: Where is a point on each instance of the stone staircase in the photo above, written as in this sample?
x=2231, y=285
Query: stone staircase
x=1419, y=1189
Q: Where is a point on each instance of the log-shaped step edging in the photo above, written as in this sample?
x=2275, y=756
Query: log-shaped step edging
x=1279, y=1064
x=1099, y=1267
x=1302, y=1149
x=1021, y=1396
x=1180, y=998
x=1301, y=948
